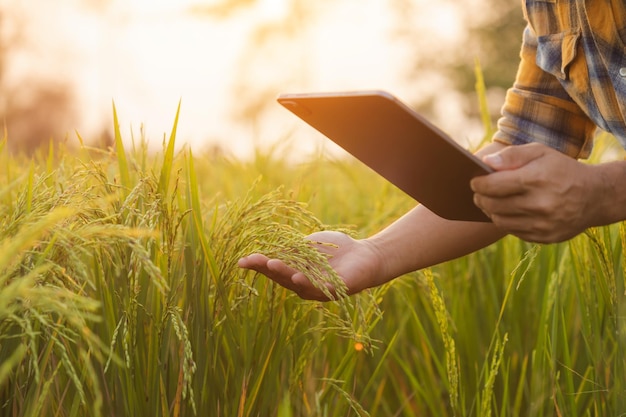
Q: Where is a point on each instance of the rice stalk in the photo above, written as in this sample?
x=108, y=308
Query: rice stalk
x=352, y=402
x=45, y=392
x=487, y=393
x=188, y=364
x=441, y=315
x=8, y=364
x=132, y=301
x=277, y=227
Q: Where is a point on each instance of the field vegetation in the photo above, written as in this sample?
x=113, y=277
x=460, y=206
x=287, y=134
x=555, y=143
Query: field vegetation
x=120, y=295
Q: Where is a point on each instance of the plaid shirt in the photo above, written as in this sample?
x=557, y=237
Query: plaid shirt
x=572, y=76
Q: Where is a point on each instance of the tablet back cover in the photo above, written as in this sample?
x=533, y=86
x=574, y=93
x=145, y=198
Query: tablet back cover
x=397, y=143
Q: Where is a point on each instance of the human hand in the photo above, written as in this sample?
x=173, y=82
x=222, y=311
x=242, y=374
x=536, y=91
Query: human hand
x=538, y=193
x=355, y=261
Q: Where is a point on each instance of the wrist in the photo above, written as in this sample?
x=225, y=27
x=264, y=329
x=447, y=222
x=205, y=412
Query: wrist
x=382, y=260
x=610, y=198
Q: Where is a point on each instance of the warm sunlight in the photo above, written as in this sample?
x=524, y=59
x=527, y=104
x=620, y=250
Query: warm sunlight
x=443, y=20
x=226, y=67
x=213, y=254
x=271, y=9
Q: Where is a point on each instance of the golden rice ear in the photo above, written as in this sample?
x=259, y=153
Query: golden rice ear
x=128, y=300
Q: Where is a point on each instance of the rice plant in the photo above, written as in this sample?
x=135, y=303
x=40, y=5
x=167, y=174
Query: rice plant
x=120, y=295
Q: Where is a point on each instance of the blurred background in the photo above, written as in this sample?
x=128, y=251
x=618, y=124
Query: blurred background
x=64, y=62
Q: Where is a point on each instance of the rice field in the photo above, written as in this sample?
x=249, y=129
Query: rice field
x=120, y=295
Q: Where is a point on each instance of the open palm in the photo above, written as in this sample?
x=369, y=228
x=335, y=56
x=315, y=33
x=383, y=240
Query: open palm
x=355, y=261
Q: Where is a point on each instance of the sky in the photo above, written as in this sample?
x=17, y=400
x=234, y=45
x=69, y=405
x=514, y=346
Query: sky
x=146, y=56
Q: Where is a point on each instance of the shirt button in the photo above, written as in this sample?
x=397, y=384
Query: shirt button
x=622, y=72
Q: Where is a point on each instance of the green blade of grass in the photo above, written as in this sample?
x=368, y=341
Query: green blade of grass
x=8, y=364
x=121, y=155
x=481, y=90
x=168, y=159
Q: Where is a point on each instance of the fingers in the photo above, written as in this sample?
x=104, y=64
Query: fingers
x=273, y=268
x=253, y=261
x=512, y=195
x=499, y=184
x=306, y=290
x=284, y=276
x=539, y=194
x=343, y=256
x=514, y=171
x=514, y=157
x=497, y=206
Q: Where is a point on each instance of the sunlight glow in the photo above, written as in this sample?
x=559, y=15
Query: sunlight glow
x=272, y=9
x=443, y=20
x=152, y=6
x=264, y=9
x=147, y=55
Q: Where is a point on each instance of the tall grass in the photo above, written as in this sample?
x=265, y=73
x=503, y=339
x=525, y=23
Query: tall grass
x=120, y=295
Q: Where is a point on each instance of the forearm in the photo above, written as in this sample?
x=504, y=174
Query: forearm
x=421, y=239
x=608, y=204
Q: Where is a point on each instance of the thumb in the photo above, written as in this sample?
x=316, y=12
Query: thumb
x=514, y=156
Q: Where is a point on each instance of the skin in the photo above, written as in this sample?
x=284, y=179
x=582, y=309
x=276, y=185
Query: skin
x=541, y=195
x=536, y=194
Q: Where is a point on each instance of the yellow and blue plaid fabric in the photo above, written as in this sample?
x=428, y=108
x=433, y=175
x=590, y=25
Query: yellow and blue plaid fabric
x=571, y=78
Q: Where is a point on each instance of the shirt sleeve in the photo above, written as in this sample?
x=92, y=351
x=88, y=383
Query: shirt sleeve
x=538, y=109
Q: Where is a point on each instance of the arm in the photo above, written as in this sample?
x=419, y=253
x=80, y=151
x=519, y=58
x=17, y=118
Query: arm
x=542, y=195
x=421, y=239
x=417, y=240
x=540, y=192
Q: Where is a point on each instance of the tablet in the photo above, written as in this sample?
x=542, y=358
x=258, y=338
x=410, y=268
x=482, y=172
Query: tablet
x=399, y=144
